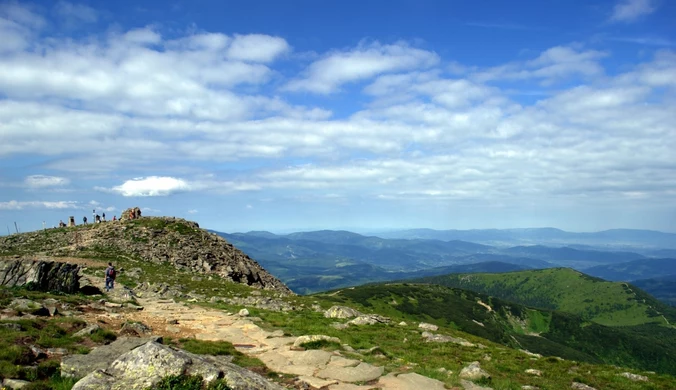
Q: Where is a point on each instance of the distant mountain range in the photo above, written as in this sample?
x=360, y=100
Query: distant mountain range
x=615, y=238
x=321, y=260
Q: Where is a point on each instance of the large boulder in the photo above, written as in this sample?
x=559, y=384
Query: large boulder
x=77, y=366
x=146, y=365
x=40, y=275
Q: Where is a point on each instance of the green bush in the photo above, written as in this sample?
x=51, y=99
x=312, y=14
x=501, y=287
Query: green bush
x=103, y=336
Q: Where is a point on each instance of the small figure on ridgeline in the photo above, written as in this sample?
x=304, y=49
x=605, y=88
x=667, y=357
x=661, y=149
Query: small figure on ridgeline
x=110, y=277
x=131, y=214
x=103, y=216
x=97, y=219
x=114, y=218
x=61, y=224
x=84, y=220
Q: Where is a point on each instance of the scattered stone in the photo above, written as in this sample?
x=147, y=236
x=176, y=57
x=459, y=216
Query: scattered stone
x=529, y=387
x=473, y=372
x=634, y=377
x=243, y=313
x=52, y=310
x=135, y=329
x=341, y=312
x=581, y=386
x=533, y=371
x=339, y=325
x=403, y=323
x=57, y=351
x=369, y=319
x=113, y=305
x=467, y=385
x=315, y=383
x=132, y=306
x=37, y=352
x=315, y=337
x=24, y=305
x=14, y=383
x=439, y=338
x=426, y=326
x=87, y=331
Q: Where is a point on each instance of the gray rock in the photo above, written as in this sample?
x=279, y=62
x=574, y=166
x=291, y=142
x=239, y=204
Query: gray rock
x=14, y=383
x=439, y=338
x=24, y=305
x=369, y=319
x=77, y=366
x=243, y=313
x=38, y=352
x=87, y=331
x=533, y=371
x=135, y=328
x=341, y=312
x=634, y=377
x=42, y=275
x=426, y=326
x=581, y=386
x=467, y=385
x=473, y=372
x=113, y=305
x=13, y=326
x=146, y=365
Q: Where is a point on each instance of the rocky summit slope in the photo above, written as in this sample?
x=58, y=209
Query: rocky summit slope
x=159, y=240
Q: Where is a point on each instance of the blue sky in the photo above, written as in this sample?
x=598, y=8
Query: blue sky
x=367, y=115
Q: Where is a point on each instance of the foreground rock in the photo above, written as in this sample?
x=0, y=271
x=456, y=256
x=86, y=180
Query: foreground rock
x=40, y=275
x=146, y=365
x=77, y=366
x=341, y=312
x=473, y=372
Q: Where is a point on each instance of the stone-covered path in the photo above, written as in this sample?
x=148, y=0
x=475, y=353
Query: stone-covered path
x=315, y=368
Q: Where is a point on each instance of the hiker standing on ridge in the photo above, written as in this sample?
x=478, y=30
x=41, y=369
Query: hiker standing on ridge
x=104, y=217
x=110, y=277
x=84, y=220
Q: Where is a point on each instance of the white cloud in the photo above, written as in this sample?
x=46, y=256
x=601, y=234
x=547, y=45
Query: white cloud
x=193, y=211
x=257, y=48
x=152, y=186
x=78, y=12
x=366, y=61
x=42, y=181
x=21, y=205
x=631, y=10
x=550, y=66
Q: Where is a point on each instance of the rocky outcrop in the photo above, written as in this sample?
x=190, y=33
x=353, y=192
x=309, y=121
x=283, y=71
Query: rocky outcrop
x=40, y=275
x=146, y=365
x=155, y=239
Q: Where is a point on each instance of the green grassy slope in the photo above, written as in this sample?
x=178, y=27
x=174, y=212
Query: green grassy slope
x=567, y=290
x=650, y=347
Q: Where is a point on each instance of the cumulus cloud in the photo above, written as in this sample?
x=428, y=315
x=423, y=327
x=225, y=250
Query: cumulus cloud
x=631, y=10
x=42, y=181
x=21, y=205
x=192, y=211
x=335, y=69
x=152, y=186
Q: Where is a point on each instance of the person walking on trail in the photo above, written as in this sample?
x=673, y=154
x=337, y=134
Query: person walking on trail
x=104, y=217
x=110, y=277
